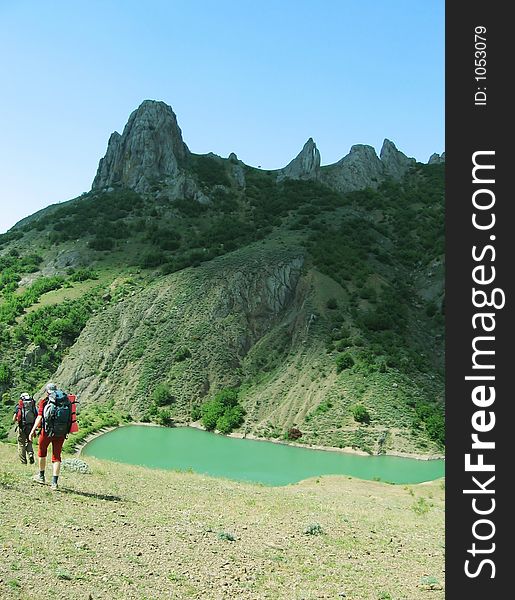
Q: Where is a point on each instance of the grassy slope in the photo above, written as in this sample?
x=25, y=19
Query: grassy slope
x=285, y=376
x=131, y=533
x=373, y=252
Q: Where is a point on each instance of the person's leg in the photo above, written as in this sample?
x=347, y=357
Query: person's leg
x=56, y=469
x=57, y=446
x=22, y=443
x=42, y=452
x=29, y=448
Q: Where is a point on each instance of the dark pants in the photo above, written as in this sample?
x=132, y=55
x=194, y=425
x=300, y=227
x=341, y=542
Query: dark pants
x=25, y=445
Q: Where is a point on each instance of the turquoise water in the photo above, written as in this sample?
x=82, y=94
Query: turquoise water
x=249, y=460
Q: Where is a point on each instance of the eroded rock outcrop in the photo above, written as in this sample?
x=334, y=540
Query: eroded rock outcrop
x=237, y=168
x=396, y=163
x=150, y=149
x=306, y=165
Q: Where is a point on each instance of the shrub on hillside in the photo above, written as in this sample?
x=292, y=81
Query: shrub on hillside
x=182, y=354
x=10, y=236
x=5, y=374
x=344, y=361
x=210, y=171
x=223, y=412
x=101, y=243
x=164, y=417
x=153, y=259
x=196, y=413
x=61, y=323
x=162, y=395
x=361, y=414
x=342, y=344
x=225, y=201
x=83, y=275
x=231, y=419
x=294, y=434
x=332, y=303
x=189, y=207
x=211, y=412
x=435, y=427
x=169, y=244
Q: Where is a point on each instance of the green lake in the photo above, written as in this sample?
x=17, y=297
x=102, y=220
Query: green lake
x=184, y=448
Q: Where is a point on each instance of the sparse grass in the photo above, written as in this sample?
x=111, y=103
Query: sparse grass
x=125, y=532
x=421, y=506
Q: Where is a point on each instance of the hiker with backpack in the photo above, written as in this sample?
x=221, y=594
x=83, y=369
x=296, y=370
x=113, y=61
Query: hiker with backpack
x=24, y=416
x=55, y=416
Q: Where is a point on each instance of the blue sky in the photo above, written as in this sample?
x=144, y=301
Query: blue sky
x=256, y=78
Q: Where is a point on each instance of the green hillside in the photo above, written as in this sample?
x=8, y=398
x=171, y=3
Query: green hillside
x=322, y=309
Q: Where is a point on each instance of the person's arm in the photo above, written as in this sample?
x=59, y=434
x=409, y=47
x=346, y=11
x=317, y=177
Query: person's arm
x=15, y=415
x=37, y=423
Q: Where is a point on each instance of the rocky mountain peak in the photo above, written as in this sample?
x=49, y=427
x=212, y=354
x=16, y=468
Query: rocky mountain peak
x=359, y=169
x=150, y=149
x=436, y=158
x=395, y=162
x=306, y=165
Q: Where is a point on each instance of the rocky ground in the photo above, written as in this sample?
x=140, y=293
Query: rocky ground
x=133, y=533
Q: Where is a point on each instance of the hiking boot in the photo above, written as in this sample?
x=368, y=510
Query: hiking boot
x=54, y=487
x=38, y=478
x=31, y=460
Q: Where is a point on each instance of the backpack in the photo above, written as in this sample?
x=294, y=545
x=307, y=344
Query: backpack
x=27, y=412
x=57, y=414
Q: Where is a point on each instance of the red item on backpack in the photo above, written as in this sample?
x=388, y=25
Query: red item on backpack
x=75, y=426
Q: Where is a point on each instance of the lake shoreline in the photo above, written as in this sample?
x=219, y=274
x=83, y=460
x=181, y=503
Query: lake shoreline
x=249, y=436
x=346, y=450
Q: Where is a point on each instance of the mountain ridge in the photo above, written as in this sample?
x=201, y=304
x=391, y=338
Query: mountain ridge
x=151, y=146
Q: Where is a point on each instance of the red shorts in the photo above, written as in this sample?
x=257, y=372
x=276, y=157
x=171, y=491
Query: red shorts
x=57, y=445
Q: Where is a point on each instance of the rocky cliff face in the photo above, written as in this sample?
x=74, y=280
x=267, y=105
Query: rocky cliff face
x=150, y=149
x=306, y=165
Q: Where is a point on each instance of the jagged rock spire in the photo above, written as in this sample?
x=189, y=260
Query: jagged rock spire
x=396, y=163
x=150, y=149
x=305, y=165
